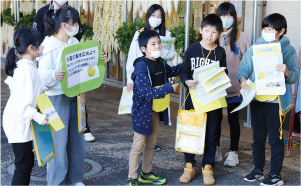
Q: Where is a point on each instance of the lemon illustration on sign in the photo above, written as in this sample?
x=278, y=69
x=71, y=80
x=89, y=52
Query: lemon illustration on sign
x=122, y=109
x=261, y=75
x=251, y=86
x=160, y=105
x=91, y=71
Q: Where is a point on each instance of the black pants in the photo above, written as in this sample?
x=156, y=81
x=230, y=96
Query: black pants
x=88, y=128
x=214, y=119
x=233, y=120
x=265, y=120
x=296, y=127
x=24, y=162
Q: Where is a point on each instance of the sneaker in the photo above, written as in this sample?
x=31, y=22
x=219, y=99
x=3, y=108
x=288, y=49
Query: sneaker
x=79, y=184
x=151, y=178
x=208, y=175
x=131, y=182
x=274, y=180
x=157, y=148
x=76, y=184
x=232, y=159
x=254, y=176
x=89, y=137
x=189, y=173
x=218, y=156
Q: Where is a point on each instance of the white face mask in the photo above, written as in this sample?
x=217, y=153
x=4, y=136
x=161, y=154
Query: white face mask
x=269, y=37
x=227, y=23
x=154, y=22
x=155, y=54
x=60, y=2
x=74, y=32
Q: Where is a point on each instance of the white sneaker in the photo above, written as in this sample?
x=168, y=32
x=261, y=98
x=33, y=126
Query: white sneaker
x=80, y=183
x=89, y=137
x=218, y=156
x=232, y=159
x=77, y=184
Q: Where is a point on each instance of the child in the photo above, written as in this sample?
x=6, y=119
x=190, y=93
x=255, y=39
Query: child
x=154, y=20
x=265, y=115
x=150, y=71
x=25, y=84
x=195, y=55
x=236, y=44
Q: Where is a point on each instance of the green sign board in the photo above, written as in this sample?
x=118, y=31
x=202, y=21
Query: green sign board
x=84, y=68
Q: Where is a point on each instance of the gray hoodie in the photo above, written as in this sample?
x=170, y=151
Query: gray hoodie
x=289, y=58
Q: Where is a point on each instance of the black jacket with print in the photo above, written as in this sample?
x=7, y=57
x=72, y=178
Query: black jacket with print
x=194, y=58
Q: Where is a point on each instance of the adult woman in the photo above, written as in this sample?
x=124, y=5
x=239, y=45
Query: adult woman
x=236, y=44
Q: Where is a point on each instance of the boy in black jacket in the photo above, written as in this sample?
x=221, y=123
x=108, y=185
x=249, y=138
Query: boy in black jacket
x=195, y=56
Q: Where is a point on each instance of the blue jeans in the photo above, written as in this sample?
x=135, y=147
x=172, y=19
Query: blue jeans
x=68, y=165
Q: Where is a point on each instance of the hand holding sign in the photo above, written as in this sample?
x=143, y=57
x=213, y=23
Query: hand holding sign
x=45, y=122
x=59, y=75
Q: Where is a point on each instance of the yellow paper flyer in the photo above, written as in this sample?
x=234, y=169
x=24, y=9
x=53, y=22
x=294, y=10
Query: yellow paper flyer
x=48, y=109
x=199, y=108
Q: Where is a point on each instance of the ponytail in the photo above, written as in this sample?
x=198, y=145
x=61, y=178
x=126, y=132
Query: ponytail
x=10, y=62
x=65, y=14
x=49, y=22
x=23, y=38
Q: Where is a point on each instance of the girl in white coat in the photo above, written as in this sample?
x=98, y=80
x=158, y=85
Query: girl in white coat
x=68, y=165
x=24, y=84
x=154, y=20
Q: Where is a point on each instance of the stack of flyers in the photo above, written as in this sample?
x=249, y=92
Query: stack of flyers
x=212, y=83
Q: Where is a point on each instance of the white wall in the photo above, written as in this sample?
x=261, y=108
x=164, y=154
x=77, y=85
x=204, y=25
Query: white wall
x=289, y=9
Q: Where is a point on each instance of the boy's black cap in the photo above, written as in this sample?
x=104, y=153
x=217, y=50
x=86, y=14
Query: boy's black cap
x=213, y=20
x=276, y=21
x=145, y=36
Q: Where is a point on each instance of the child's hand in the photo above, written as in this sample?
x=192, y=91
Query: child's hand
x=191, y=84
x=282, y=68
x=104, y=57
x=174, y=86
x=129, y=87
x=59, y=75
x=45, y=122
x=244, y=84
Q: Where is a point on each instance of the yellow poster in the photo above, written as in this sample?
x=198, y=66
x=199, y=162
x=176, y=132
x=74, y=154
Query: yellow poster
x=48, y=109
x=199, y=108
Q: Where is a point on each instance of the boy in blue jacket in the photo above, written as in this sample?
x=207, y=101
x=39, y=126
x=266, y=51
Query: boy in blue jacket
x=150, y=71
x=265, y=115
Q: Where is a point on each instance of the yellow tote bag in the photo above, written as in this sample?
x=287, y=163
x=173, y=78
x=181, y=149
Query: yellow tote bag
x=191, y=130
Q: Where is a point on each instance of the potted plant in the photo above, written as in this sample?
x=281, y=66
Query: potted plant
x=179, y=34
x=125, y=34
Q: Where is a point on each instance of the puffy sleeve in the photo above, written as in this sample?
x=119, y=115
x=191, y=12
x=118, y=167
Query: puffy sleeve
x=46, y=70
x=144, y=88
x=132, y=56
x=23, y=104
x=168, y=55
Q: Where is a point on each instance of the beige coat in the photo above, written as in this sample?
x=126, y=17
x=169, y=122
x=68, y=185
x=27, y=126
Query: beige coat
x=233, y=59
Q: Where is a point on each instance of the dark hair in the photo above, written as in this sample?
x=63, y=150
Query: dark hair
x=149, y=13
x=276, y=21
x=145, y=36
x=23, y=38
x=64, y=14
x=213, y=20
x=225, y=9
